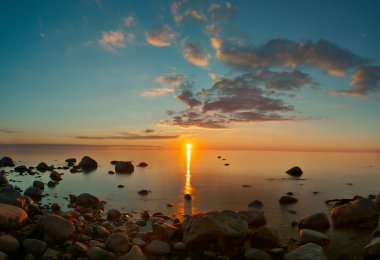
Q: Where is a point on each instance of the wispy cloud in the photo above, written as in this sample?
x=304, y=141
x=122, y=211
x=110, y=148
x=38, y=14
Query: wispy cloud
x=156, y=92
x=7, y=131
x=170, y=82
x=195, y=53
x=112, y=40
x=132, y=137
x=161, y=37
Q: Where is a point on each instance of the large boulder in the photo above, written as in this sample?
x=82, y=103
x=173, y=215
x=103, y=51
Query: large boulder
x=317, y=221
x=212, y=225
x=295, y=171
x=34, y=192
x=307, y=252
x=39, y=184
x=6, y=162
x=11, y=217
x=21, y=169
x=12, y=197
x=88, y=201
x=88, y=164
x=360, y=213
x=265, y=238
x=124, y=167
x=55, y=228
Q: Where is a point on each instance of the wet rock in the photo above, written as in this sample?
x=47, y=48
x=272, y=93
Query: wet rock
x=39, y=184
x=6, y=162
x=211, y=225
x=55, y=176
x=287, y=200
x=42, y=167
x=143, y=192
x=11, y=217
x=34, y=246
x=295, y=171
x=313, y=236
x=265, y=238
x=3, y=180
x=34, y=193
x=360, y=213
x=187, y=197
x=124, y=167
x=158, y=247
x=117, y=243
x=55, y=228
x=8, y=244
x=113, y=214
x=97, y=253
x=254, y=217
x=21, y=169
x=113, y=162
x=142, y=164
x=372, y=250
x=88, y=164
x=317, y=221
x=87, y=200
x=256, y=254
x=256, y=204
x=120, y=186
x=134, y=254
x=307, y=252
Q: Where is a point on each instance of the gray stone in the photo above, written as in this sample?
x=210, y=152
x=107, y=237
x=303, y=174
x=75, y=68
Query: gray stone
x=11, y=217
x=307, y=252
x=117, y=243
x=164, y=230
x=180, y=246
x=113, y=214
x=212, y=225
x=313, y=236
x=8, y=244
x=42, y=167
x=3, y=256
x=21, y=169
x=138, y=241
x=158, y=247
x=124, y=167
x=39, y=184
x=12, y=197
x=87, y=200
x=34, y=246
x=134, y=254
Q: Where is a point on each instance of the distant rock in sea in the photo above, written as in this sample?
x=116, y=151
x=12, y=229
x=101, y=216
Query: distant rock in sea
x=124, y=167
x=295, y=171
x=88, y=164
x=6, y=162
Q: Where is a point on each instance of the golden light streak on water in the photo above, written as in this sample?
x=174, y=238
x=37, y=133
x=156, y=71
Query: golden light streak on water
x=188, y=207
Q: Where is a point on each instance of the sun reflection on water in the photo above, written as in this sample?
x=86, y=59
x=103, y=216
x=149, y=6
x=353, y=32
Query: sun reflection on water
x=188, y=206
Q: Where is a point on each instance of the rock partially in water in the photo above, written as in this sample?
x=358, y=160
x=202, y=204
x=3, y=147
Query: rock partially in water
x=254, y=217
x=56, y=229
x=117, y=243
x=55, y=176
x=307, y=252
x=43, y=167
x=142, y=164
x=12, y=217
x=6, y=162
x=295, y=171
x=87, y=200
x=71, y=161
x=113, y=214
x=8, y=244
x=317, y=221
x=256, y=204
x=360, y=213
x=87, y=164
x=34, y=192
x=39, y=184
x=287, y=200
x=3, y=180
x=187, y=197
x=124, y=167
x=265, y=238
x=143, y=192
x=21, y=169
x=313, y=236
x=212, y=225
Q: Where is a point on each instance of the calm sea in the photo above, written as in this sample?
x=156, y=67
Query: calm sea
x=213, y=186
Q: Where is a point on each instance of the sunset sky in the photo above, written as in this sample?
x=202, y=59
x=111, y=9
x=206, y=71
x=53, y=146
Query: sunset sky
x=297, y=75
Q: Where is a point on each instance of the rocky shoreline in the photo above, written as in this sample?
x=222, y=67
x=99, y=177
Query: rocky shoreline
x=31, y=230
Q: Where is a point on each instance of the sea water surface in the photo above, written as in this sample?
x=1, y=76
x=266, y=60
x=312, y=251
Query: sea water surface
x=212, y=184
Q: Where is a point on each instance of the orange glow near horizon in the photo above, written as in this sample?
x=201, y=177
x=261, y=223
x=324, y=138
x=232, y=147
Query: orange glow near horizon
x=188, y=173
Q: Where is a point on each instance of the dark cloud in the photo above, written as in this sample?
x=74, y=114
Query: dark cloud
x=149, y=131
x=194, y=53
x=284, y=53
x=190, y=118
x=286, y=80
x=7, y=131
x=187, y=97
x=129, y=137
x=364, y=81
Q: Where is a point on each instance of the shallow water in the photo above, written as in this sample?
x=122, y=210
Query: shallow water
x=213, y=185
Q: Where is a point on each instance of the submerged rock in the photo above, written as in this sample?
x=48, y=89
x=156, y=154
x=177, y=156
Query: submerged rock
x=142, y=164
x=317, y=221
x=295, y=171
x=256, y=204
x=88, y=164
x=360, y=213
x=124, y=167
x=12, y=217
x=212, y=225
x=287, y=200
x=6, y=162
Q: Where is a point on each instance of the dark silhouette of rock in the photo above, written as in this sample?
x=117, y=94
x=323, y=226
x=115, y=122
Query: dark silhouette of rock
x=113, y=162
x=51, y=184
x=87, y=200
x=71, y=160
x=3, y=180
x=12, y=197
x=143, y=192
x=42, y=167
x=265, y=238
x=56, y=229
x=256, y=204
x=55, y=176
x=142, y=164
x=113, y=214
x=88, y=164
x=11, y=217
x=317, y=221
x=287, y=200
x=295, y=171
x=187, y=197
x=34, y=192
x=39, y=184
x=6, y=162
x=21, y=169
x=124, y=167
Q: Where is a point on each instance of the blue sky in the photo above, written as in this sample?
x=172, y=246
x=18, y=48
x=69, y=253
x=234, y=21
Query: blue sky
x=250, y=74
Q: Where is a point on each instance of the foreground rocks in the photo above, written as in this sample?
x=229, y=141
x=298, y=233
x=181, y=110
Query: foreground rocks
x=11, y=217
